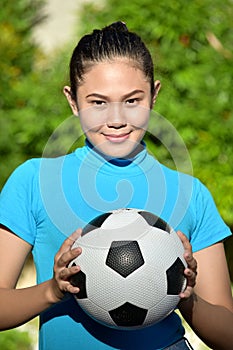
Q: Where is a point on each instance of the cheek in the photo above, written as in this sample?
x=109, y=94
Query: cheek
x=93, y=118
x=88, y=121
x=138, y=117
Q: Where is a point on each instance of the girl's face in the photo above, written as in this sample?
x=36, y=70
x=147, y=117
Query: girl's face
x=113, y=103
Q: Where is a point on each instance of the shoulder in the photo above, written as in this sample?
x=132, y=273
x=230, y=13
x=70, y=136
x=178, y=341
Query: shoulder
x=180, y=180
x=31, y=170
x=188, y=191
x=23, y=173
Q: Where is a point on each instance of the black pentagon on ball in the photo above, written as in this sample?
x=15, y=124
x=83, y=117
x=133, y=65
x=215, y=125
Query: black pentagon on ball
x=95, y=223
x=79, y=280
x=124, y=257
x=155, y=221
x=175, y=277
x=128, y=315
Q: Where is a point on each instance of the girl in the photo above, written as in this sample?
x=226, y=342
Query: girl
x=112, y=89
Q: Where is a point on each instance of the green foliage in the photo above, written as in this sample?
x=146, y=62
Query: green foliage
x=191, y=43
x=15, y=340
x=17, y=53
x=31, y=99
x=16, y=48
x=40, y=108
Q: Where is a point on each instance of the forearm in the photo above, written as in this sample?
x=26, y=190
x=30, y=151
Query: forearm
x=212, y=323
x=20, y=305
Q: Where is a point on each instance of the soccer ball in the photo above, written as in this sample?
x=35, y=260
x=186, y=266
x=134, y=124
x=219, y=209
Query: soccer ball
x=132, y=269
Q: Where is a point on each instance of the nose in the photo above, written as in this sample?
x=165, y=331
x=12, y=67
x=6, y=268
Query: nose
x=116, y=117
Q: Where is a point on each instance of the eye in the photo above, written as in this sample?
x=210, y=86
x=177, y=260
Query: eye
x=132, y=101
x=98, y=102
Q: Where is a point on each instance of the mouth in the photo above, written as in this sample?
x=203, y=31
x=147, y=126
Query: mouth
x=117, y=138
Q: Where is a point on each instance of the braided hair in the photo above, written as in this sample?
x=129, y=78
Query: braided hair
x=113, y=41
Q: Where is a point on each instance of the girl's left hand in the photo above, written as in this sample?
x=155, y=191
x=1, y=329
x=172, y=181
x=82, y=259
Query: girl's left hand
x=191, y=271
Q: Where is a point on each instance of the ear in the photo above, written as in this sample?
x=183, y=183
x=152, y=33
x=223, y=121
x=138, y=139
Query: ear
x=157, y=85
x=73, y=104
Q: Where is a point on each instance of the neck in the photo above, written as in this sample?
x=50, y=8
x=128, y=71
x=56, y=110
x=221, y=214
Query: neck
x=119, y=161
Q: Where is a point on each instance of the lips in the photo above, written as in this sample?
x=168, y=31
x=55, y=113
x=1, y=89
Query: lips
x=117, y=138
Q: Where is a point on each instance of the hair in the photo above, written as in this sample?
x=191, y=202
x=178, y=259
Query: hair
x=113, y=41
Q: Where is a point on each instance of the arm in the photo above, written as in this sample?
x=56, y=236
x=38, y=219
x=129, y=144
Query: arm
x=20, y=305
x=209, y=310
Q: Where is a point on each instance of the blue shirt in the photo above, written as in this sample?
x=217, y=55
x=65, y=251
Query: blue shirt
x=45, y=200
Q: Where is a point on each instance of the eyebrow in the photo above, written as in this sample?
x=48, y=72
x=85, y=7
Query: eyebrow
x=130, y=94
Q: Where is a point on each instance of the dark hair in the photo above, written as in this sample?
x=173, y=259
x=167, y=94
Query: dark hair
x=108, y=43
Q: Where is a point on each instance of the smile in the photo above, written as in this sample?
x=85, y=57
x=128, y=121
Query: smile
x=117, y=138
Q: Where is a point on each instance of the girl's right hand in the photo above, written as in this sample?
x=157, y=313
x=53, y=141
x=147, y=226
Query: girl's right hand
x=62, y=272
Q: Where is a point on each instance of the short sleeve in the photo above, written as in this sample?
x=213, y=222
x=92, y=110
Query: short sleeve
x=17, y=201
x=209, y=226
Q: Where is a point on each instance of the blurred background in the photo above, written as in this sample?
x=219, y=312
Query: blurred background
x=191, y=44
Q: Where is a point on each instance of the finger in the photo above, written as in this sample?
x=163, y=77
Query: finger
x=67, y=257
x=75, y=235
x=186, y=293
x=188, y=254
x=72, y=289
x=191, y=261
x=66, y=273
x=67, y=287
x=191, y=277
x=64, y=277
x=185, y=242
x=68, y=243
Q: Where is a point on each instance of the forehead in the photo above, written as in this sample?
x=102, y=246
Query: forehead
x=121, y=71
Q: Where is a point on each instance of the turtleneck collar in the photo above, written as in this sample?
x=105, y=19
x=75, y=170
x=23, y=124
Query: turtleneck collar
x=121, y=162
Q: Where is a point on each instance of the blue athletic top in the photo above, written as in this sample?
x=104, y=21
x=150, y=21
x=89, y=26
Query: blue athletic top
x=45, y=200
